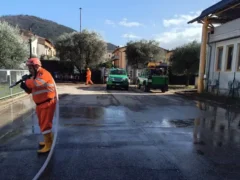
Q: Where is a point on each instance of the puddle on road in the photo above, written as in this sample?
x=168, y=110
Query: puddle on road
x=222, y=118
x=69, y=112
x=220, y=128
x=92, y=115
x=181, y=123
x=10, y=135
x=13, y=117
x=216, y=124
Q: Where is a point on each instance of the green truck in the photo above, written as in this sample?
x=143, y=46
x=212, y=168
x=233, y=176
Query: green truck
x=154, y=77
x=117, y=78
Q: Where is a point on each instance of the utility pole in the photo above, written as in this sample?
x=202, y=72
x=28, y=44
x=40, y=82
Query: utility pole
x=30, y=47
x=80, y=19
x=80, y=42
x=30, y=40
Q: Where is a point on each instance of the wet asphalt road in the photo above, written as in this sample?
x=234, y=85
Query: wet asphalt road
x=129, y=135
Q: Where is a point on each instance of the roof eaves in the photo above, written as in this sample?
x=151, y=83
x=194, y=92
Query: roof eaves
x=214, y=8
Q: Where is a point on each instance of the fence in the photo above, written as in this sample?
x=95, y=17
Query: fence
x=7, y=78
x=81, y=77
x=224, y=83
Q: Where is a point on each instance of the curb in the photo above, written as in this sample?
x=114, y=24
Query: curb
x=7, y=102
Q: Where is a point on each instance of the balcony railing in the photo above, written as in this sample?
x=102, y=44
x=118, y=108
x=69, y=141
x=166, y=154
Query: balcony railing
x=115, y=58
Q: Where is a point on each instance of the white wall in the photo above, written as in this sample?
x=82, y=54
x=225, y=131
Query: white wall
x=34, y=47
x=108, y=55
x=225, y=76
x=228, y=30
x=41, y=50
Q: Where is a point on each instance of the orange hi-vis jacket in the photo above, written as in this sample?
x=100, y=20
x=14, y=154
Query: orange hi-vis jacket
x=89, y=74
x=43, y=87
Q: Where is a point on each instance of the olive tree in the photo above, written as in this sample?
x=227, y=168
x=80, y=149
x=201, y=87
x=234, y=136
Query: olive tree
x=13, y=49
x=185, y=59
x=143, y=51
x=84, y=48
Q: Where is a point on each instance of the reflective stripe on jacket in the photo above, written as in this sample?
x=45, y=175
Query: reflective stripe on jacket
x=42, y=87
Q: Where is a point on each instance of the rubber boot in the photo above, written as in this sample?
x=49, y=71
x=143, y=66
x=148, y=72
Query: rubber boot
x=43, y=143
x=48, y=143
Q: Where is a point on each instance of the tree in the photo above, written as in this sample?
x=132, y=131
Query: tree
x=84, y=49
x=107, y=64
x=185, y=59
x=13, y=49
x=140, y=52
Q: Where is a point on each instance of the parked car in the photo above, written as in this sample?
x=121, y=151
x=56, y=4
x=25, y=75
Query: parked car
x=117, y=77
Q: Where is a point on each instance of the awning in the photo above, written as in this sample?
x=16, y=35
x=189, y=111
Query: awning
x=221, y=12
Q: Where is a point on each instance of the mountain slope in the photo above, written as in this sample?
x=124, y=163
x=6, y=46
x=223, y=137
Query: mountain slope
x=42, y=27
x=111, y=46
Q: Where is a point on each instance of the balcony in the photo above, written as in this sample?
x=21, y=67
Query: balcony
x=115, y=58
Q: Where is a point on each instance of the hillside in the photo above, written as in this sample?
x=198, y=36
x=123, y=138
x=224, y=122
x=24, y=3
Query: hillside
x=111, y=46
x=42, y=27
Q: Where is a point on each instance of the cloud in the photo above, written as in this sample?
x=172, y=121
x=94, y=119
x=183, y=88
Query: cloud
x=153, y=24
x=178, y=32
x=125, y=23
x=109, y=22
x=130, y=36
x=180, y=19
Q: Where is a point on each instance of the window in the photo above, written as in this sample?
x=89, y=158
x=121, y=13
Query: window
x=219, y=58
x=118, y=72
x=229, y=57
x=238, y=58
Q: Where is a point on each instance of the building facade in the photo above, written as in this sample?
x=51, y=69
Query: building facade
x=119, y=57
x=219, y=58
x=45, y=48
x=40, y=46
x=223, y=63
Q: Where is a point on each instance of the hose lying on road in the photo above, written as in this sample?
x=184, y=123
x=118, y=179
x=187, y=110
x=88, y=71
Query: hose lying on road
x=54, y=140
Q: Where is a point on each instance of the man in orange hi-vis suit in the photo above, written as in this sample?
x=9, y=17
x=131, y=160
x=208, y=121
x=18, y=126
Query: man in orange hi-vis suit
x=43, y=89
x=88, y=77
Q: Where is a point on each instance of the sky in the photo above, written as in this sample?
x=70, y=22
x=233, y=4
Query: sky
x=121, y=21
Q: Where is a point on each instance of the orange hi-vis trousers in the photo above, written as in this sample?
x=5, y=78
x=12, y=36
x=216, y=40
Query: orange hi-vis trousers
x=88, y=80
x=45, y=113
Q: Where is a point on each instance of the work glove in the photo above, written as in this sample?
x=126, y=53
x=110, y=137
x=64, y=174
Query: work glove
x=25, y=77
x=25, y=88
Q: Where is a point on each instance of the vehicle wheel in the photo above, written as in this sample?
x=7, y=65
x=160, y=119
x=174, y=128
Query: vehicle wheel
x=163, y=90
x=126, y=88
x=138, y=85
x=166, y=88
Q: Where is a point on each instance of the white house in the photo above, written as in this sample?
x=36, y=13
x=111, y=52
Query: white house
x=26, y=35
x=40, y=46
x=223, y=64
x=220, y=48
